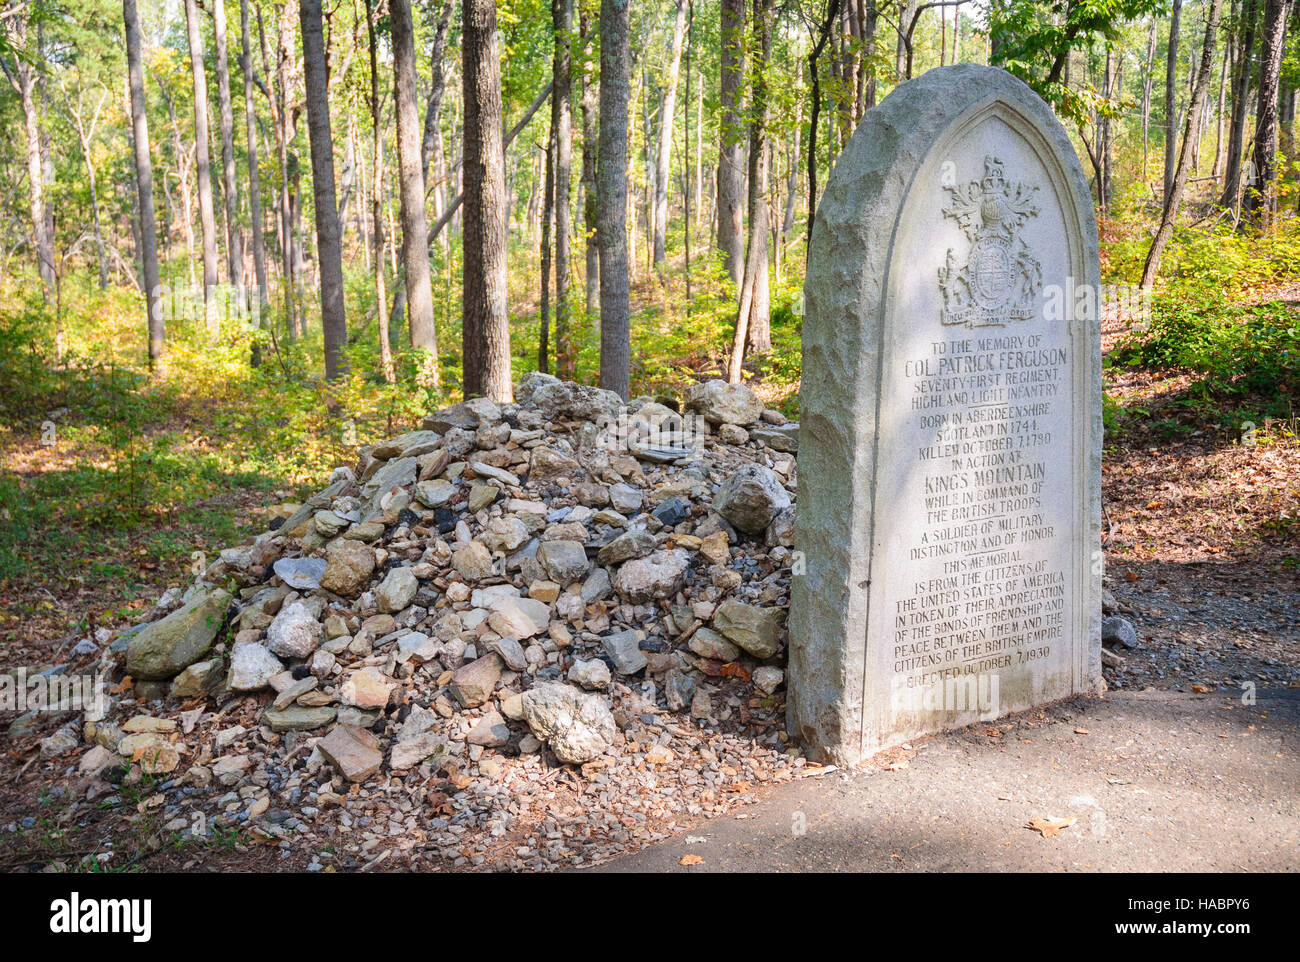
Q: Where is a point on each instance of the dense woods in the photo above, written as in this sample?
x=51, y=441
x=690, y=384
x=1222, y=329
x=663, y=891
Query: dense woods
x=516, y=173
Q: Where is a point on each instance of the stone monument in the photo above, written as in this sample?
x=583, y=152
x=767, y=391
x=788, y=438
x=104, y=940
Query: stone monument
x=950, y=441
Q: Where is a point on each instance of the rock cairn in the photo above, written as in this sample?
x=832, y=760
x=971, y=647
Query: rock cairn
x=567, y=590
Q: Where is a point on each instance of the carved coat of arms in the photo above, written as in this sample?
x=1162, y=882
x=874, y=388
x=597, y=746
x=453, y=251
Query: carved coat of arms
x=1000, y=280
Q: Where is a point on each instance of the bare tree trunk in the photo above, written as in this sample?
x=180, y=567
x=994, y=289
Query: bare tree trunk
x=667, y=112
x=1148, y=79
x=1240, y=105
x=758, y=331
x=1171, y=100
x=1228, y=46
x=615, y=309
x=1261, y=199
x=254, y=175
x=548, y=198
x=329, y=255
x=144, y=183
x=590, y=210
x=731, y=174
x=377, y=203
x=207, y=217
x=230, y=186
x=485, y=325
x=1152, y=266
x=415, y=226
x=23, y=77
x=431, y=153
x=562, y=141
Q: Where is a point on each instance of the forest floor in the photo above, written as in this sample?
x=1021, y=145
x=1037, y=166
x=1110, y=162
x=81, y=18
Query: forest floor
x=1201, y=534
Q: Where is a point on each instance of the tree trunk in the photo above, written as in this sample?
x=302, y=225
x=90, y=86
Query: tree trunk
x=562, y=141
x=1171, y=101
x=230, y=186
x=431, y=153
x=731, y=135
x=207, y=217
x=548, y=199
x=1261, y=199
x=254, y=175
x=377, y=204
x=1240, y=105
x=615, y=309
x=1148, y=79
x=144, y=183
x=758, y=333
x=415, y=225
x=329, y=254
x=485, y=324
x=590, y=210
x=667, y=112
x=1170, y=214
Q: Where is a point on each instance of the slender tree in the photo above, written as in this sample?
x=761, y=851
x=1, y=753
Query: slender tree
x=562, y=141
x=1184, y=166
x=23, y=42
x=377, y=198
x=144, y=183
x=329, y=252
x=1171, y=101
x=1261, y=199
x=226, y=125
x=731, y=171
x=667, y=113
x=207, y=217
x=590, y=148
x=611, y=198
x=254, y=175
x=485, y=324
x=1240, y=104
x=415, y=227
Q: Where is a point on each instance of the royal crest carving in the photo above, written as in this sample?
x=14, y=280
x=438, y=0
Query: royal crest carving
x=1001, y=279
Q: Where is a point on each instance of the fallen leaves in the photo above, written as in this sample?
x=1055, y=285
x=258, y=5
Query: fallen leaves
x=691, y=860
x=1049, y=827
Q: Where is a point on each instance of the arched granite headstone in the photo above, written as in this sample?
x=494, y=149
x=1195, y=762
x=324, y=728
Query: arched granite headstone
x=950, y=439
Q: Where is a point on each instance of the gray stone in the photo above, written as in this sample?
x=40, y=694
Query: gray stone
x=198, y=678
x=252, y=667
x=661, y=575
x=435, y=493
x=636, y=543
x=299, y=718
x=624, y=651
x=757, y=630
x=164, y=648
x=783, y=438
x=626, y=498
x=592, y=675
x=473, y=684
x=577, y=726
x=490, y=732
x=563, y=561
x=1118, y=631
x=723, y=403
x=473, y=561
x=952, y=244
x=295, y=632
x=397, y=590
x=301, y=573
x=751, y=497
x=710, y=644
x=409, y=752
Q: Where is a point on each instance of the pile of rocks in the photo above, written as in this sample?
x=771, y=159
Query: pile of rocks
x=474, y=609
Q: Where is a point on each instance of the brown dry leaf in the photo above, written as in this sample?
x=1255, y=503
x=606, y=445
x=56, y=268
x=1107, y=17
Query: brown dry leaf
x=1048, y=827
x=691, y=860
x=1202, y=689
x=1082, y=731
x=1130, y=576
